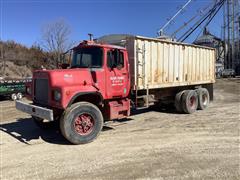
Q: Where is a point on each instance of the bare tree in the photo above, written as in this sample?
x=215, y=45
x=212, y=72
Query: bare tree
x=55, y=38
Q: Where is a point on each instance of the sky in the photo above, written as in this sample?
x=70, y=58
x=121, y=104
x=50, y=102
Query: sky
x=23, y=20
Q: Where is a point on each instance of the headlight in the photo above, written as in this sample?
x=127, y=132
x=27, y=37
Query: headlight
x=57, y=95
x=28, y=90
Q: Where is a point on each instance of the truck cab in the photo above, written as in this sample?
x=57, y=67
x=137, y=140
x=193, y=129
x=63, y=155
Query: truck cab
x=93, y=88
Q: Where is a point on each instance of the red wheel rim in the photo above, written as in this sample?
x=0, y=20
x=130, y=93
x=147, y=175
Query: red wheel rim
x=192, y=102
x=83, y=124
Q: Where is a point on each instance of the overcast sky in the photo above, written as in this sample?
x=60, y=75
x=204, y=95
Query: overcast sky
x=22, y=20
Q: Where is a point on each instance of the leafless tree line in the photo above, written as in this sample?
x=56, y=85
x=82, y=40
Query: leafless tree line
x=56, y=38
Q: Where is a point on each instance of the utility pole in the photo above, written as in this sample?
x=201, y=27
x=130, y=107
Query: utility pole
x=228, y=36
x=237, y=35
x=233, y=35
x=231, y=18
x=224, y=34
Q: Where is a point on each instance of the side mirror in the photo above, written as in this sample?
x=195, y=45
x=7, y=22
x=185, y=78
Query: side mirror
x=64, y=65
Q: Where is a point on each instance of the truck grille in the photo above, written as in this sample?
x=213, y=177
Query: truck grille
x=41, y=91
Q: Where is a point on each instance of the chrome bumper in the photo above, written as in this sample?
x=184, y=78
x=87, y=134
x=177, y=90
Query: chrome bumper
x=37, y=111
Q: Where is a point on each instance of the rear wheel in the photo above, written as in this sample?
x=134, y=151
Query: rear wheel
x=178, y=100
x=81, y=123
x=189, y=101
x=203, y=98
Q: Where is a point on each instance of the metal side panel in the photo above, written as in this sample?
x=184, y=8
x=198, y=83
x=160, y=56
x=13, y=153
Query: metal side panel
x=160, y=64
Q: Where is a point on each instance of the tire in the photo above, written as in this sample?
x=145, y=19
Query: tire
x=44, y=125
x=203, y=98
x=81, y=123
x=14, y=97
x=178, y=101
x=19, y=96
x=189, y=101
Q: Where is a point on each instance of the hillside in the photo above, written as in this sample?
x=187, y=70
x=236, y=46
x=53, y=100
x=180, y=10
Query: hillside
x=18, y=61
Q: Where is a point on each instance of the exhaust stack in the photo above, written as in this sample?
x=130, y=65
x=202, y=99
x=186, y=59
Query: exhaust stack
x=90, y=36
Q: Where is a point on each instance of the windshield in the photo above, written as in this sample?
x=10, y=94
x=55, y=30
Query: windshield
x=87, y=58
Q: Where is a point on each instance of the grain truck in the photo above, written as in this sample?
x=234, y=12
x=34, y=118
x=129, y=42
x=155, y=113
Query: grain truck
x=107, y=77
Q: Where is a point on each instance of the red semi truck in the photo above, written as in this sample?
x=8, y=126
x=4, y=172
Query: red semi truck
x=108, y=77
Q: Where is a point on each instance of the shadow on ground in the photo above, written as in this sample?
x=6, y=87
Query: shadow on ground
x=164, y=108
x=4, y=98
x=25, y=130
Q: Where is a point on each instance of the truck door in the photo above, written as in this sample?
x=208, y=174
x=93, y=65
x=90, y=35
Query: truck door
x=117, y=77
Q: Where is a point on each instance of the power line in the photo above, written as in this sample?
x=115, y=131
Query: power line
x=210, y=14
x=160, y=32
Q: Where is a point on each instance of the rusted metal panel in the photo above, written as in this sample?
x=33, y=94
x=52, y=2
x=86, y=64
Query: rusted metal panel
x=160, y=64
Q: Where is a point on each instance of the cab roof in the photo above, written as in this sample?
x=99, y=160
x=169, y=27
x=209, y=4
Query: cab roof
x=101, y=45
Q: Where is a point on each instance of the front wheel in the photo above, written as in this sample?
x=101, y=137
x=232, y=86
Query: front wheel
x=81, y=123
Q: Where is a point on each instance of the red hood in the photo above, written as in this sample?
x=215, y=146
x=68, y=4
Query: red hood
x=65, y=77
x=68, y=81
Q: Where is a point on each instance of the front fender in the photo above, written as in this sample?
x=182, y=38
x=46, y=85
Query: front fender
x=70, y=93
x=86, y=94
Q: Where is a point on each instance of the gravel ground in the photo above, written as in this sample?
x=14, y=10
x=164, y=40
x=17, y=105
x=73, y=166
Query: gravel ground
x=153, y=144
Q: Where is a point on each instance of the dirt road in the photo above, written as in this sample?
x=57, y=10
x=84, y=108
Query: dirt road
x=154, y=144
